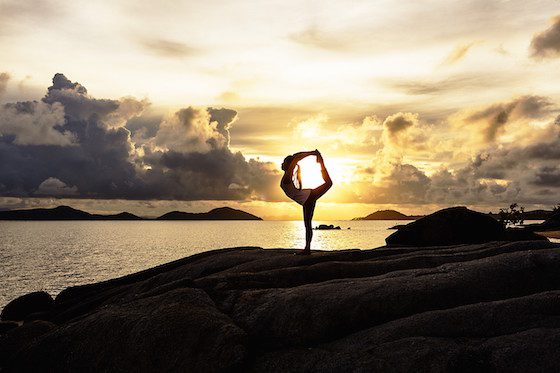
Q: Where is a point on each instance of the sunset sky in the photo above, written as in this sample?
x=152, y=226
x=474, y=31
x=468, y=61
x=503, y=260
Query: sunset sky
x=190, y=105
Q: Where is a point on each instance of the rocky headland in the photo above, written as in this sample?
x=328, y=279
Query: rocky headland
x=487, y=306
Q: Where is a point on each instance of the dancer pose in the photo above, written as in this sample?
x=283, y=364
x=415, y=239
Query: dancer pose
x=305, y=197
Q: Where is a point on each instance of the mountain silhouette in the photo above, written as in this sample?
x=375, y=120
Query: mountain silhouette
x=388, y=215
x=221, y=213
x=62, y=213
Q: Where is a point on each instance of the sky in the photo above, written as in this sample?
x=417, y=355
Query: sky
x=187, y=105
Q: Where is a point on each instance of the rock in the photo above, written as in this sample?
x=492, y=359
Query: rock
x=180, y=330
x=490, y=306
x=453, y=226
x=521, y=234
x=326, y=227
x=20, y=308
x=550, y=224
x=22, y=337
x=398, y=226
x=6, y=326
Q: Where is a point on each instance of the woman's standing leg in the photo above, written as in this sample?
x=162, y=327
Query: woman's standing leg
x=308, y=210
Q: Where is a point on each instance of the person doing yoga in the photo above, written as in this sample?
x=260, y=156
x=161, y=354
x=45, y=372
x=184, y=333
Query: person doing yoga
x=291, y=185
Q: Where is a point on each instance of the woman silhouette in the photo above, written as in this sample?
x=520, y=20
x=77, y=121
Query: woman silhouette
x=305, y=197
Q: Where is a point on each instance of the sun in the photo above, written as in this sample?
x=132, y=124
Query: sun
x=311, y=176
x=339, y=169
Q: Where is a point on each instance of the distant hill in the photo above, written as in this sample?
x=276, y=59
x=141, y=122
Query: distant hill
x=62, y=213
x=388, y=215
x=222, y=213
x=69, y=213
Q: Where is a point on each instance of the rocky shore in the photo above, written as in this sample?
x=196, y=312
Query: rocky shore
x=492, y=306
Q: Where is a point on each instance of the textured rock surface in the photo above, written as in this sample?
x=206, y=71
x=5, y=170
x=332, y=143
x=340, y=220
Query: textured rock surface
x=483, y=307
x=454, y=226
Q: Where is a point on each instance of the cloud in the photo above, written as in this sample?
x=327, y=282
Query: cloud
x=399, y=122
x=548, y=176
x=4, y=77
x=35, y=123
x=462, y=82
x=167, y=48
x=492, y=119
x=546, y=44
x=458, y=53
x=404, y=184
x=54, y=187
x=73, y=143
x=224, y=119
x=314, y=37
x=15, y=14
x=191, y=129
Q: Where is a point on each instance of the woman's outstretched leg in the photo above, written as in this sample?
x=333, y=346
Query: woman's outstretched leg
x=308, y=210
x=324, y=188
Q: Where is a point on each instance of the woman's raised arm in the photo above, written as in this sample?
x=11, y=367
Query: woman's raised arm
x=300, y=155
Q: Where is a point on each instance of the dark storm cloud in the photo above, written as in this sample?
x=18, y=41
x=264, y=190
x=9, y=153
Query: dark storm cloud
x=224, y=119
x=145, y=126
x=71, y=144
x=547, y=43
x=218, y=174
x=494, y=117
x=4, y=77
x=405, y=184
x=167, y=48
x=548, y=176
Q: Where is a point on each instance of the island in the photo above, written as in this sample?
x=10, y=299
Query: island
x=69, y=213
x=62, y=213
x=388, y=215
x=221, y=213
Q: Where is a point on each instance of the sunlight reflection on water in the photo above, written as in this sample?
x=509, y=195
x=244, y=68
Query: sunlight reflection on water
x=53, y=255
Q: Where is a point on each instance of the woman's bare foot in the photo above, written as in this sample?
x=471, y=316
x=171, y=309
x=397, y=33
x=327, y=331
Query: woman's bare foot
x=304, y=252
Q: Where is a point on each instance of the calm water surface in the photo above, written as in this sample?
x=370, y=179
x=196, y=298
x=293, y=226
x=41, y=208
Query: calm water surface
x=53, y=255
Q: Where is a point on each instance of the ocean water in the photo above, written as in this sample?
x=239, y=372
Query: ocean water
x=52, y=255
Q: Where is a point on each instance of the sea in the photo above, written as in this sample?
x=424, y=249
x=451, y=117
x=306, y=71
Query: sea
x=53, y=255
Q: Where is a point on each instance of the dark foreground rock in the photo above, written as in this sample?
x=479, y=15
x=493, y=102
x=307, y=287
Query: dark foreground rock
x=482, y=307
x=22, y=308
x=550, y=224
x=454, y=226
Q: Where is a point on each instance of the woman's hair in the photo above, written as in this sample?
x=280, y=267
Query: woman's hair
x=287, y=162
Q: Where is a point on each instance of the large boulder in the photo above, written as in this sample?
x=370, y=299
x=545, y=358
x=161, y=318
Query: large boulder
x=178, y=331
x=453, y=226
x=21, y=308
